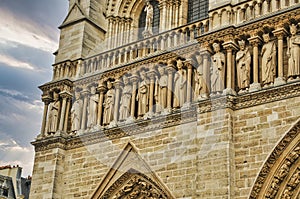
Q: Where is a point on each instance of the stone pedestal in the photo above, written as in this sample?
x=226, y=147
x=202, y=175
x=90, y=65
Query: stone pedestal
x=254, y=87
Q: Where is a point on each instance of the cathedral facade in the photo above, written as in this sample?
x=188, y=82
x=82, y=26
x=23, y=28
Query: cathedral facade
x=172, y=99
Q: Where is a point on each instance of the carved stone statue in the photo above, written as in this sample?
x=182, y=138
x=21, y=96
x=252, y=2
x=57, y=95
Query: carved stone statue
x=200, y=84
x=143, y=95
x=93, y=108
x=217, y=70
x=53, y=113
x=179, y=85
x=268, y=53
x=161, y=90
x=149, y=18
x=76, y=112
x=108, y=104
x=125, y=100
x=243, y=61
x=293, y=52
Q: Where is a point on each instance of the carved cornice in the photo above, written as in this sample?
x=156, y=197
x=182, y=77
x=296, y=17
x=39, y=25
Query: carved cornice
x=50, y=143
x=56, y=84
x=268, y=95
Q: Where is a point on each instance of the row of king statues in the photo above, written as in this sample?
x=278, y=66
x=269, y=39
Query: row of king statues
x=169, y=85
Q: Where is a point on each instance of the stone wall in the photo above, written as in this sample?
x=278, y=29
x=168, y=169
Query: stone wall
x=217, y=156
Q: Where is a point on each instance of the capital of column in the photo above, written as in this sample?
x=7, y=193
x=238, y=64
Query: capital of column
x=65, y=94
x=46, y=99
x=118, y=83
x=171, y=65
x=101, y=87
x=134, y=78
x=85, y=92
x=230, y=45
x=255, y=40
x=152, y=74
x=280, y=33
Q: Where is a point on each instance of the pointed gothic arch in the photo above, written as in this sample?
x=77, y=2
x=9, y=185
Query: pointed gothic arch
x=138, y=179
x=134, y=184
x=280, y=175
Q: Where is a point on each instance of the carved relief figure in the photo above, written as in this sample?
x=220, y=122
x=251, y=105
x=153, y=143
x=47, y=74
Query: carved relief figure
x=125, y=100
x=53, y=113
x=243, y=59
x=293, y=53
x=149, y=17
x=284, y=170
x=217, y=70
x=273, y=189
x=295, y=179
x=76, y=112
x=268, y=53
x=108, y=104
x=287, y=193
x=143, y=95
x=161, y=89
x=92, y=108
x=179, y=85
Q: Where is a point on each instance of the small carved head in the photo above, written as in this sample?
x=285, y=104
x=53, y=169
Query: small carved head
x=93, y=90
x=55, y=95
x=125, y=79
x=266, y=37
x=109, y=84
x=161, y=70
x=293, y=29
x=77, y=95
x=216, y=47
x=242, y=44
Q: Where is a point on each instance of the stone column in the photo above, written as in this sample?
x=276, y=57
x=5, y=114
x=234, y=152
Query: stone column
x=85, y=94
x=163, y=16
x=151, y=96
x=255, y=41
x=117, y=85
x=101, y=89
x=170, y=69
x=230, y=46
x=134, y=80
x=67, y=113
x=206, y=72
x=46, y=99
x=280, y=33
x=65, y=95
x=189, y=82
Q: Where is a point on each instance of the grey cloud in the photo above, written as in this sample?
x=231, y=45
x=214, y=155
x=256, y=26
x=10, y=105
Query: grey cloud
x=45, y=12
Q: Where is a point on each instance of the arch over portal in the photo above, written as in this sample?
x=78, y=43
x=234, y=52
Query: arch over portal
x=130, y=176
x=133, y=184
x=280, y=175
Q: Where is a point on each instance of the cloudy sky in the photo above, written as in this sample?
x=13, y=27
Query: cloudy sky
x=28, y=37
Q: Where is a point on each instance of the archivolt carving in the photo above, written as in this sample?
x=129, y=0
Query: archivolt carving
x=280, y=176
x=134, y=185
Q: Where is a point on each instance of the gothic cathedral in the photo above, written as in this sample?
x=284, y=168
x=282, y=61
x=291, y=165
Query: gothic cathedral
x=172, y=99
